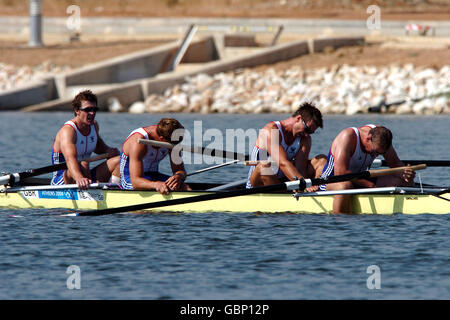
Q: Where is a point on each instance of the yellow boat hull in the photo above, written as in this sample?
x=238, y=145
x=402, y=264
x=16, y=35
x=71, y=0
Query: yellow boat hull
x=264, y=203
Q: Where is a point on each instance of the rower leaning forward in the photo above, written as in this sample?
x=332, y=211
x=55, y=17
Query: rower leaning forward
x=139, y=163
x=287, y=144
x=353, y=150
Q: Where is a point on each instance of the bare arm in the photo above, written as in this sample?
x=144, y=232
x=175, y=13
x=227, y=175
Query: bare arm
x=136, y=153
x=342, y=149
x=269, y=139
x=179, y=174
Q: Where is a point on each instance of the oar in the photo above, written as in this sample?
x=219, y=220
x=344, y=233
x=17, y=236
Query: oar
x=429, y=163
x=18, y=176
x=246, y=163
x=301, y=184
x=214, y=152
x=213, y=167
x=197, y=149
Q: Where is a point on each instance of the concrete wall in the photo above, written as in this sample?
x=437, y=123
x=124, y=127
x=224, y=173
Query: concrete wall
x=240, y=40
x=140, y=65
x=33, y=93
x=201, y=51
x=138, y=90
x=283, y=52
x=127, y=93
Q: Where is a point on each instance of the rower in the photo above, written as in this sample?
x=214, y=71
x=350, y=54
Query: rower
x=287, y=143
x=75, y=142
x=353, y=150
x=139, y=162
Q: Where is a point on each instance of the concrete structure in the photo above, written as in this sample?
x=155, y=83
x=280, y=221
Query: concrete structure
x=133, y=77
x=33, y=93
x=137, y=27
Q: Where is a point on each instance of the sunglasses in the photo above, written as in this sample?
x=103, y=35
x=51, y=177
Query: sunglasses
x=307, y=129
x=90, y=109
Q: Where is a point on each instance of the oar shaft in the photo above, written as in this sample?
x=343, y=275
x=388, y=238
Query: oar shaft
x=155, y=143
x=213, y=167
x=429, y=163
x=246, y=163
x=197, y=149
x=18, y=176
x=361, y=175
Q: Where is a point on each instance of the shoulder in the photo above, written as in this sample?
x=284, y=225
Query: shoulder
x=68, y=125
x=346, y=139
x=270, y=125
x=133, y=148
x=268, y=132
x=67, y=128
x=267, y=129
x=347, y=134
x=133, y=140
x=66, y=134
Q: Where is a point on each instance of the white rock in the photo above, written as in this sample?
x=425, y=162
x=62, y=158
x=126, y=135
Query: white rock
x=114, y=105
x=137, y=107
x=440, y=104
x=404, y=108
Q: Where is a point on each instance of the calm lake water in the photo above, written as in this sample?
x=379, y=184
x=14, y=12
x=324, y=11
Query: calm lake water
x=221, y=255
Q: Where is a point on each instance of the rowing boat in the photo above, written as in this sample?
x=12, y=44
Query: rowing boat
x=390, y=200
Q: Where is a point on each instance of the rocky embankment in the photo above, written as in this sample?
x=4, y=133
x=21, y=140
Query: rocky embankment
x=340, y=89
x=12, y=77
x=337, y=90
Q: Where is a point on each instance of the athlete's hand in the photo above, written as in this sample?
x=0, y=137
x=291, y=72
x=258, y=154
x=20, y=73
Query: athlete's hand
x=312, y=189
x=175, y=182
x=83, y=183
x=162, y=187
x=408, y=175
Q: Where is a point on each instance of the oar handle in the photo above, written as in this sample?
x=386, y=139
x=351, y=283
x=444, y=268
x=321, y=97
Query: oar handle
x=385, y=172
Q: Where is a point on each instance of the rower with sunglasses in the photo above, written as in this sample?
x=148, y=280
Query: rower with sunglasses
x=287, y=144
x=353, y=150
x=75, y=142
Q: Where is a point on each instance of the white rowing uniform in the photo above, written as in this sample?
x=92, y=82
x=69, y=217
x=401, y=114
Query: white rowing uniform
x=150, y=162
x=291, y=152
x=359, y=161
x=84, y=145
